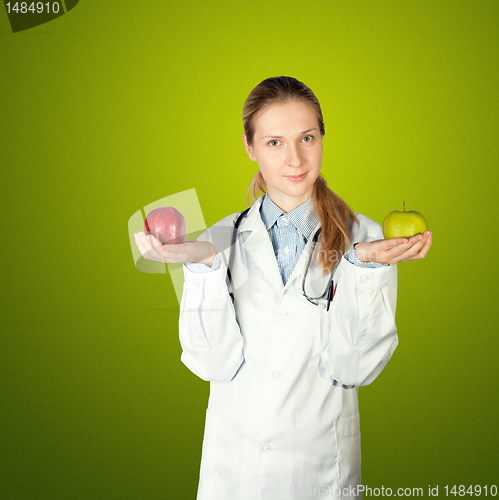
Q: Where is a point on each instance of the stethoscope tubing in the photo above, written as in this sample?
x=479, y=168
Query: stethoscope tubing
x=330, y=290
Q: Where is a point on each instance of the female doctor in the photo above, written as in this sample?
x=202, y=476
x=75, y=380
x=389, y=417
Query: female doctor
x=285, y=356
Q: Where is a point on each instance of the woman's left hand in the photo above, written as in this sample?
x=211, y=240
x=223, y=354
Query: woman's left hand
x=395, y=250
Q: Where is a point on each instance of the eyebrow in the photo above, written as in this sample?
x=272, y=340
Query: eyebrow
x=281, y=137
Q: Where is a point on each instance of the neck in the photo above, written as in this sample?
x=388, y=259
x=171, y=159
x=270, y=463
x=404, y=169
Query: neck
x=288, y=205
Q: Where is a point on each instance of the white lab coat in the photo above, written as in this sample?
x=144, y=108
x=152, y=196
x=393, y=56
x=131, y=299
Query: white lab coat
x=279, y=423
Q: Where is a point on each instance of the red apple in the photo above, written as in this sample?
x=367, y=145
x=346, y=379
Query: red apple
x=166, y=224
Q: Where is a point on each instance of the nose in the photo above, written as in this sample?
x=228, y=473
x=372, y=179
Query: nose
x=292, y=156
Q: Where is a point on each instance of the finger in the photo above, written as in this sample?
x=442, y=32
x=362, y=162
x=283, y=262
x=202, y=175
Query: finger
x=382, y=250
x=402, y=246
x=155, y=243
x=140, y=244
x=422, y=249
x=393, y=242
x=173, y=252
x=146, y=248
x=422, y=239
x=158, y=247
x=405, y=251
x=410, y=240
x=142, y=237
x=426, y=247
x=151, y=252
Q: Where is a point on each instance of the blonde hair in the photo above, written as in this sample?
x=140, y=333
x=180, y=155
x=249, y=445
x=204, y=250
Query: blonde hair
x=335, y=215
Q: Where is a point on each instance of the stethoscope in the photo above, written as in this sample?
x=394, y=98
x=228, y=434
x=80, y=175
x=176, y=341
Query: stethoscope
x=328, y=292
x=330, y=289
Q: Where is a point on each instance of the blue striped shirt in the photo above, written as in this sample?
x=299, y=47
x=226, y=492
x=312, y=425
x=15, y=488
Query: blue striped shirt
x=289, y=233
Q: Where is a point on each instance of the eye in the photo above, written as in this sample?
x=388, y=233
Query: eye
x=273, y=140
x=309, y=137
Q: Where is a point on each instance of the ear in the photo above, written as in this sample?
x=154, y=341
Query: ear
x=248, y=148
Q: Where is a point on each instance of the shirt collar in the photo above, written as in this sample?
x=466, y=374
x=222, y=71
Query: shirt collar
x=304, y=217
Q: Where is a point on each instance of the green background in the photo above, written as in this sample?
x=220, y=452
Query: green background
x=118, y=104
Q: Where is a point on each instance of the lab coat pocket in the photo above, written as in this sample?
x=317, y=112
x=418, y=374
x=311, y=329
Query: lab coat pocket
x=348, y=442
x=207, y=477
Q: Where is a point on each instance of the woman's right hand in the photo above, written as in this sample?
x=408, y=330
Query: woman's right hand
x=193, y=251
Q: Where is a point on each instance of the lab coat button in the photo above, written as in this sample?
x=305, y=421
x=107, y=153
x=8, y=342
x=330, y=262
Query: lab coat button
x=276, y=373
x=364, y=279
x=283, y=313
x=195, y=283
x=266, y=448
x=286, y=250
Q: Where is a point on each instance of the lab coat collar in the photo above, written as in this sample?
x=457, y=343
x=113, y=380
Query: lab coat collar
x=259, y=246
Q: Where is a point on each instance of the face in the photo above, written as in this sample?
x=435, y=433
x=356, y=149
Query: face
x=288, y=148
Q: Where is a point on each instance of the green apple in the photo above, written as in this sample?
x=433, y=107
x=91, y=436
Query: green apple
x=404, y=224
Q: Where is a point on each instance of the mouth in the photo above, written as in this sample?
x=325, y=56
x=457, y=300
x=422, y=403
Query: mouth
x=296, y=178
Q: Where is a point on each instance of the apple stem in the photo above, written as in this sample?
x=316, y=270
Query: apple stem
x=404, y=205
